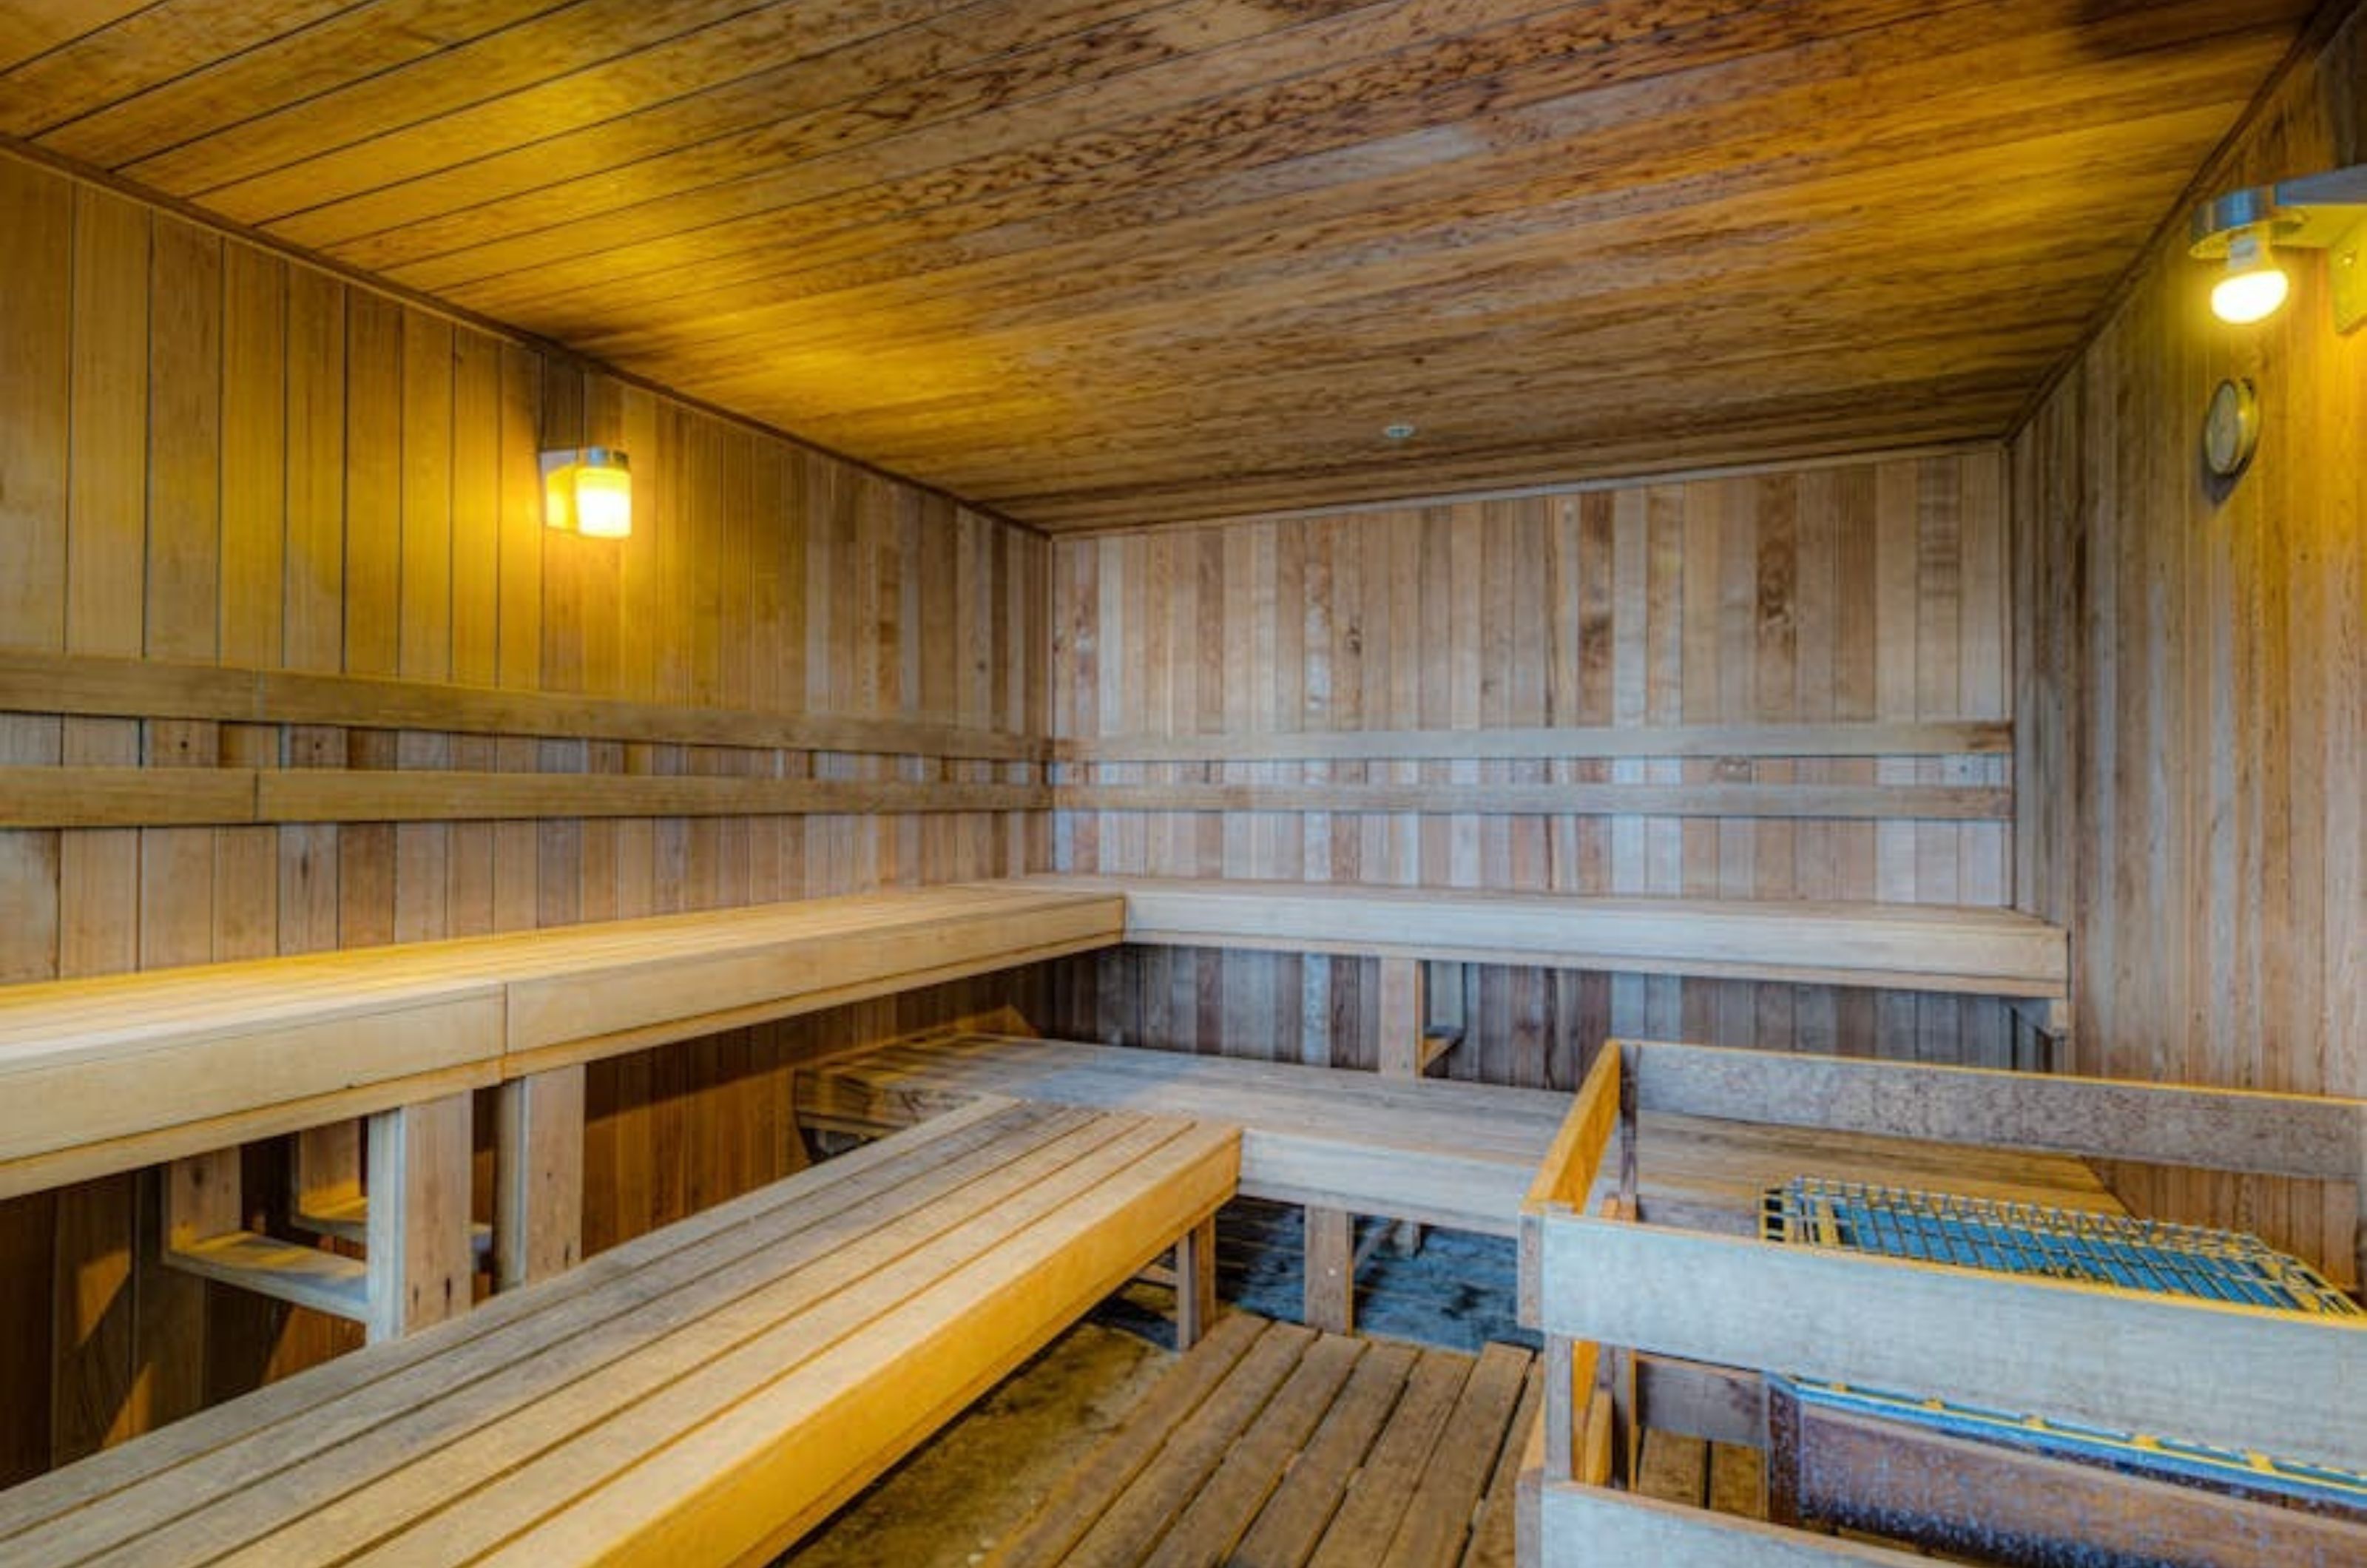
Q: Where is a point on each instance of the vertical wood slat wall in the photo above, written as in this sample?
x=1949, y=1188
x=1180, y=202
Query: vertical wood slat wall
x=1864, y=590
x=2193, y=667
x=212, y=455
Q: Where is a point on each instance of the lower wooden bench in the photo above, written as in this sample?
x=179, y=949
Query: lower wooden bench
x=704, y=1395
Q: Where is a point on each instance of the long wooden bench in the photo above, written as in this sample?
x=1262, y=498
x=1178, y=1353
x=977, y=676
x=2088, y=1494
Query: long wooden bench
x=182, y=1065
x=1347, y=1143
x=703, y=1394
x=1455, y=1154
x=106, y=1075
x=1924, y=947
x=1460, y=1154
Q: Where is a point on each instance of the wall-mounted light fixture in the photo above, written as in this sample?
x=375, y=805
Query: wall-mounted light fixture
x=2244, y=228
x=588, y=491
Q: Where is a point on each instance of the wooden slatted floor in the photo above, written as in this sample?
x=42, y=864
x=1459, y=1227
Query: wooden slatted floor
x=1272, y=1446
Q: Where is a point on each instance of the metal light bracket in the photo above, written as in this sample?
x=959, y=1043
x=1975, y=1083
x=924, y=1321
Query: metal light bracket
x=2322, y=213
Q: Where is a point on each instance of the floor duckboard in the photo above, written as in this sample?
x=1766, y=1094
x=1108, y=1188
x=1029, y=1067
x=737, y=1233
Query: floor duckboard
x=1276, y=1447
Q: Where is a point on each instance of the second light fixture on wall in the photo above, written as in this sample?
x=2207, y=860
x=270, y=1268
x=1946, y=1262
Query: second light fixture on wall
x=588, y=491
x=2246, y=228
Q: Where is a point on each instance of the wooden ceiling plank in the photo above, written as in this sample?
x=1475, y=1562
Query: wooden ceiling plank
x=553, y=44
x=1838, y=434
x=1611, y=277
x=1212, y=278
x=1303, y=75
x=1351, y=436
x=29, y=29
x=145, y=48
x=291, y=68
x=983, y=57
x=1534, y=411
x=1066, y=174
x=1175, y=54
x=614, y=111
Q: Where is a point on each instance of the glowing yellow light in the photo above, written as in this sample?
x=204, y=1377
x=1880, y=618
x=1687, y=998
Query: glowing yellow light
x=604, y=501
x=588, y=493
x=2255, y=286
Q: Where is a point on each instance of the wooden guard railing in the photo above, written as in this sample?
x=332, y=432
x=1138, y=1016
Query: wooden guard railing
x=1601, y=1282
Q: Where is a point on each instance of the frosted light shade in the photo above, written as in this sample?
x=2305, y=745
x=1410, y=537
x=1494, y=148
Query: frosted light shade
x=604, y=501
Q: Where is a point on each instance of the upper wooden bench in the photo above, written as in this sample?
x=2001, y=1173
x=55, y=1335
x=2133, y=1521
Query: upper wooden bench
x=107, y=1075
x=1980, y=950
x=112, y=1074
x=703, y=1394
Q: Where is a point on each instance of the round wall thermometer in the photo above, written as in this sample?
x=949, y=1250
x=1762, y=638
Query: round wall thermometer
x=2232, y=428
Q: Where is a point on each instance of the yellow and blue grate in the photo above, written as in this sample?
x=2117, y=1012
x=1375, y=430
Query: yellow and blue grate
x=2062, y=1244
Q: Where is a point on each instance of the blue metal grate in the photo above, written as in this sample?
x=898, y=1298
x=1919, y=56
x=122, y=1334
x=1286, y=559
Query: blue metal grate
x=2063, y=1244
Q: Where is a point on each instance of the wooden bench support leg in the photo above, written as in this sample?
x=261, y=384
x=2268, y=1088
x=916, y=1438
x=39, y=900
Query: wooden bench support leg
x=420, y=1263
x=1331, y=1270
x=327, y=1178
x=1195, y=1283
x=1400, y=1013
x=1403, y=1010
x=538, y=1177
x=201, y=1199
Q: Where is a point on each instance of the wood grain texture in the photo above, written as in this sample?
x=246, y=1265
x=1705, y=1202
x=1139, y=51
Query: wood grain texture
x=257, y=520
x=1108, y=261
x=2190, y=659
x=1624, y=692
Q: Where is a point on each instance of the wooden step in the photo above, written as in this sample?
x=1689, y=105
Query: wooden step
x=285, y=1270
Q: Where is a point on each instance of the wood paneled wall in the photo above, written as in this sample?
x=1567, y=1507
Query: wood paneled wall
x=1647, y=647
x=216, y=461
x=2192, y=683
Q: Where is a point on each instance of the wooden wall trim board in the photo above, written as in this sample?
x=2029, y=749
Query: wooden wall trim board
x=33, y=798
x=1900, y=802
x=35, y=683
x=1936, y=739
x=1852, y=455
x=36, y=797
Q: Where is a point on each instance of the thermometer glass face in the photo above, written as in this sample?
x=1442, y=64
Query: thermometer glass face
x=2232, y=427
